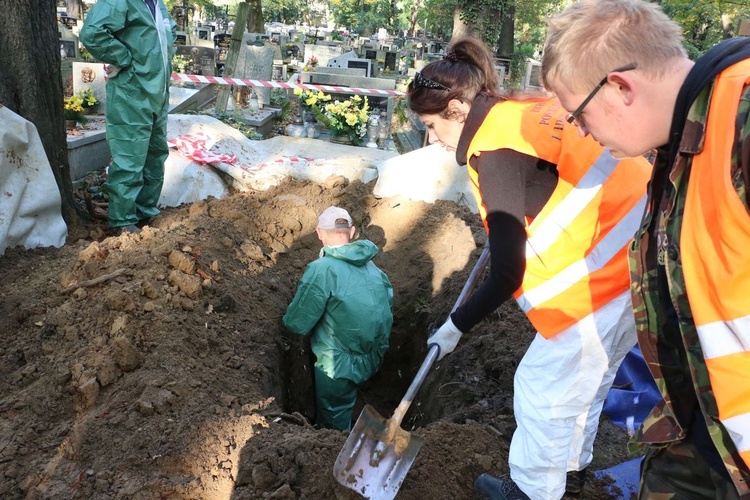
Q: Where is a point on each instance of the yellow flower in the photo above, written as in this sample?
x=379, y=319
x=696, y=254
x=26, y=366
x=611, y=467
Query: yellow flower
x=297, y=91
x=351, y=119
x=311, y=100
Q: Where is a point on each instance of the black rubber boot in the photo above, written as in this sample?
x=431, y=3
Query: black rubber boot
x=575, y=481
x=489, y=487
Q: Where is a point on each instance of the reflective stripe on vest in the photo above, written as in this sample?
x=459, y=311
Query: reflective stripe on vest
x=715, y=250
x=576, y=252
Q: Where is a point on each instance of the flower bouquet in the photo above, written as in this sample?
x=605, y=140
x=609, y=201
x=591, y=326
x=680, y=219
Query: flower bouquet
x=88, y=100
x=73, y=111
x=311, y=102
x=311, y=64
x=347, y=118
x=180, y=64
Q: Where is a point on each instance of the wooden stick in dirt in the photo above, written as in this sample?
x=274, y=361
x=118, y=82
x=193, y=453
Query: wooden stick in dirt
x=94, y=281
x=203, y=274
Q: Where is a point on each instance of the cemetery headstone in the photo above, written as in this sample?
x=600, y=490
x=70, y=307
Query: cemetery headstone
x=91, y=76
x=322, y=52
x=180, y=38
x=390, y=61
x=203, y=59
x=221, y=45
x=365, y=64
x=340, y=61
x=255, y=63
x=68, y=42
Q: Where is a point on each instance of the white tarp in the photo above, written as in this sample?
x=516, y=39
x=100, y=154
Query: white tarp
x=427, y=174
x=29, y=197
x=260, y=164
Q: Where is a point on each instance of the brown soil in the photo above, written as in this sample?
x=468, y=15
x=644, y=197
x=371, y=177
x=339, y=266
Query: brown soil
x=173, y=377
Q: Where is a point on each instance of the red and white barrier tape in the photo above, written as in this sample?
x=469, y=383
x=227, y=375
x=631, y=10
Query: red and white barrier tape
x=196, y=147
x=241, y=82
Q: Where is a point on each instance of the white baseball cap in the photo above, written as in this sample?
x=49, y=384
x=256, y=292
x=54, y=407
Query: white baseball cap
x=327, y=219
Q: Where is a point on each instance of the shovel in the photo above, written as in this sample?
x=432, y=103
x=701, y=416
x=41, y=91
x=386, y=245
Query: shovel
x=377, y=454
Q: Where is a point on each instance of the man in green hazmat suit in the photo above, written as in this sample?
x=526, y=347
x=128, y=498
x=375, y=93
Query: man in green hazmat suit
x=135, y=38
x=346, y=302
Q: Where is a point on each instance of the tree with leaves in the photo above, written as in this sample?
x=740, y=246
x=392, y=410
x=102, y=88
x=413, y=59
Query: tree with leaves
x=705, y=23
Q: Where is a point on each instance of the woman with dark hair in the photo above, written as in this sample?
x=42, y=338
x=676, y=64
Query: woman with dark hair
x=560, y=212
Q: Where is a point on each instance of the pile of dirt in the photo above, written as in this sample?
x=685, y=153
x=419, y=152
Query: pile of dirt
x=156, y=365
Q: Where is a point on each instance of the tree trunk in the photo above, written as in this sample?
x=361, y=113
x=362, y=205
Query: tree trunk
x=413, y=18
x=460, y=28
x=31, y=83
x=255, y=17
x=505, y=40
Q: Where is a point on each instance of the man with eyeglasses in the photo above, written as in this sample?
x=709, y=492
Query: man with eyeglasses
x=690, y=261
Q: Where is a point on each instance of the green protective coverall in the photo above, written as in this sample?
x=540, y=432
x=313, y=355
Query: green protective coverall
x=125, y=34
x=346, y=302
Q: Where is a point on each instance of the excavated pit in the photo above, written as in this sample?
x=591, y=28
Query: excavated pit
x=174, y=377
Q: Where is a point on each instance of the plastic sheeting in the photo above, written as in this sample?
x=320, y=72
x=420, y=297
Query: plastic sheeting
x=427, y=174
x=625, y=478
x=30, y=213
x=633, y=393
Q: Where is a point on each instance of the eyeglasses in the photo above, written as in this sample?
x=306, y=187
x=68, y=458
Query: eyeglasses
x=575, y=117
x=421, y=81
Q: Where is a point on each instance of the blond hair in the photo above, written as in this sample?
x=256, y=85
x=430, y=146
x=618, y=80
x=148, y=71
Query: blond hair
x=593, y=37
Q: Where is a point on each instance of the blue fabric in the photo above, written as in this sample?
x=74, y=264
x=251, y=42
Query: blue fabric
x=151, y=7
x=626, y=478
x=633, y=393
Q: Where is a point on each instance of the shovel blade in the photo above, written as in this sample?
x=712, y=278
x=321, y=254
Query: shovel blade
x=370, y=466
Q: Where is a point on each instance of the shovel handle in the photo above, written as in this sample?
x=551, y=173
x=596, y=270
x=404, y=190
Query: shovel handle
x=432, y=353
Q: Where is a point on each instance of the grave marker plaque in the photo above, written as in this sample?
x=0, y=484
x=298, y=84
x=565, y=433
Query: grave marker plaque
x=365, y=64
x=203, y=59
x=91, y=76
x=256, y=63
x=390, y=61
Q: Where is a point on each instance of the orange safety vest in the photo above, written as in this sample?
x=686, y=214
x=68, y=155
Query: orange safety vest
x=576, y=252
x=715, y=246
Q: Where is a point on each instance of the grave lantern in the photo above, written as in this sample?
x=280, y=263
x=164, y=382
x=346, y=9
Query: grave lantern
x=384, y=129
x=373, y=128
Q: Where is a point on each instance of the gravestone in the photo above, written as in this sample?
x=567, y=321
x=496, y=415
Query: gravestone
x=203, y=33
x=180, y=38
x=340, y=61
x=371, y=54
x=365, y=64
x=68, y=42
x=203, y=59
x=323, y=52
x=255, y=63
x=279, y=72
x=91, y=76
x=222, y=42
x=390, y=61
x=328, y=70
x=277, y=57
